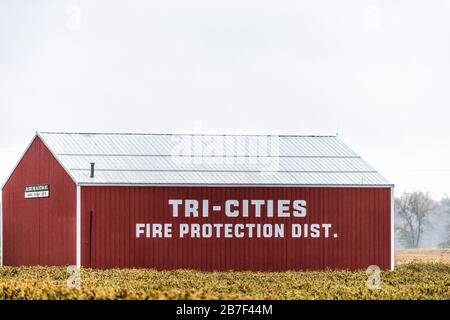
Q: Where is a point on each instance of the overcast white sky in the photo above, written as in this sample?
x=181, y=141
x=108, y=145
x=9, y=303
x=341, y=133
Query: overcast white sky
x=376, y=71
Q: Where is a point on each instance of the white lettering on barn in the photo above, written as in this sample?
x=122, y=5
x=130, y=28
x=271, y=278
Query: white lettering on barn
x=242, y=216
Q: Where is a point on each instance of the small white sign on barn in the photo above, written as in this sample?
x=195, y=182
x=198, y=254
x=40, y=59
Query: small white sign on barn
x=37, y=191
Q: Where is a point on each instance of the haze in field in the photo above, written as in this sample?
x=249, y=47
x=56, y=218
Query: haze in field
x=376, y=72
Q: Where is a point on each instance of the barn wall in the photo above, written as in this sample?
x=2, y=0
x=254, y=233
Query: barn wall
x=360, y=217
x=39, y=231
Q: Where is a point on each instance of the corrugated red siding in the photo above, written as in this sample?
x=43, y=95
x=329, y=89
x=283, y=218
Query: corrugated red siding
x=39, y=231
x=360, y=216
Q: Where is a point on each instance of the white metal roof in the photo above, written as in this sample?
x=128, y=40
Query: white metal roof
x=164, y=159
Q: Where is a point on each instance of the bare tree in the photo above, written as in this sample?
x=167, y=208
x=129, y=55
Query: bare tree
x=412, y=210
x=445, y=206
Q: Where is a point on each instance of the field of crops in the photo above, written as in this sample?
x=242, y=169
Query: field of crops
x=416, y=280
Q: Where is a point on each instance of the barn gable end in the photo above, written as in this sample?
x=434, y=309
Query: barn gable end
x=39, y=231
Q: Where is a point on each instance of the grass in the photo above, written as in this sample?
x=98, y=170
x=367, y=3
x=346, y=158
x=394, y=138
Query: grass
x=411, y=280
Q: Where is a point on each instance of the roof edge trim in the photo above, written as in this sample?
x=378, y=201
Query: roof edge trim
x=38, y=134
x=191, y=134
x=99, y=184
x=20, y=159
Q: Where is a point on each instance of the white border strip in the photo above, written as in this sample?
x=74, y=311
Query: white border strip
x=205, y=185
x=392, y=230
x=78, y=228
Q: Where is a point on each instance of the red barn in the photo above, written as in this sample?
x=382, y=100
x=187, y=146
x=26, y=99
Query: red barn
x=206, y=202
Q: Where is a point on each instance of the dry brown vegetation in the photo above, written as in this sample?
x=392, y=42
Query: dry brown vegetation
x=410, y=280
x=422, y=255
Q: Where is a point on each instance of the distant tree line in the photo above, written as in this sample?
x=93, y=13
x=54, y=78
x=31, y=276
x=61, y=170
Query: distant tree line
x=413, y=210
x=445, y=204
